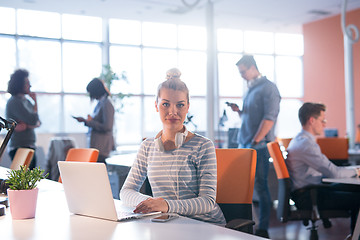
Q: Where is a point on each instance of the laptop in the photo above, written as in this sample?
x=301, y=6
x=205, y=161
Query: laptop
x=88, y=192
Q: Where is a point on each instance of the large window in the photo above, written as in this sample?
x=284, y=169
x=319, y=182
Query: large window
x=63, y=54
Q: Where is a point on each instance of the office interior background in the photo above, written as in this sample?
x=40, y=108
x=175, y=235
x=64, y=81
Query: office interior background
x=63, y=51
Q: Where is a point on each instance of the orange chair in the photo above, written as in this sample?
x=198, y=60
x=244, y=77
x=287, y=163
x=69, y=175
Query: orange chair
x=357, y=136
x=335, y=149
x=284, y=211
x=23, y=157
x=82, y=155
x=285, y=142
x=235, y=186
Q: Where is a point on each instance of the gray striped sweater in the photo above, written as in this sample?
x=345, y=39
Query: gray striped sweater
x=184, y=177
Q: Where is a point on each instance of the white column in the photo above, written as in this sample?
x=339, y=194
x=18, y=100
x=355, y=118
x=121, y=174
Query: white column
x=212, y=83
x=349, y=77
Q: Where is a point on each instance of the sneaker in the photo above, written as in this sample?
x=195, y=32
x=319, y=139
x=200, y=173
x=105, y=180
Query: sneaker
x=262, y=233
x=348, y=237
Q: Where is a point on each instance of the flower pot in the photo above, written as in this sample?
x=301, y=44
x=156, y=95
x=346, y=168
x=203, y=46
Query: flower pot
x=22, y=203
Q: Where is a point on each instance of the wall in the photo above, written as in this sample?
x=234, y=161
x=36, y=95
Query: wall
x=324, y=68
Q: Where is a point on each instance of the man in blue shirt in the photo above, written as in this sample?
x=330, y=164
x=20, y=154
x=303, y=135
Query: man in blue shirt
x=259, y=113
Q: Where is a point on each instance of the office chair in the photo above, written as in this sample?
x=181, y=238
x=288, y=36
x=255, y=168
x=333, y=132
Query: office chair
x=335, y=149
x=81, y=155
x=357, y=135
x=58, y=149
x=235, y=186
x=23, y=157
x=285, y=212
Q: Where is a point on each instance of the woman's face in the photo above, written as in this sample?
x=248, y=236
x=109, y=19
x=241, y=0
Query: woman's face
x=172, y=106
x=27, y=86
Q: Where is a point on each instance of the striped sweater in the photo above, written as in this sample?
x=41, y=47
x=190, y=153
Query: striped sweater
x=184, y=177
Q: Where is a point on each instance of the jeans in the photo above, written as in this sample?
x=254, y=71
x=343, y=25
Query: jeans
x=261, y=182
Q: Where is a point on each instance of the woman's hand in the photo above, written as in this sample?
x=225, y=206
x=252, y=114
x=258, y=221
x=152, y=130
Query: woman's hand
x=33, y=96
x=79, y=119
x=152, y=205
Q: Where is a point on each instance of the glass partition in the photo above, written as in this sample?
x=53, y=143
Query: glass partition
x=63, y=52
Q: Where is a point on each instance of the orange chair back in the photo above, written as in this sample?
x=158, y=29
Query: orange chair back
x=285, y=142
x=278, y=160
x=23, y=157
x=235, y=175
x=334, y=148
x=82, y=155
x=357, y=136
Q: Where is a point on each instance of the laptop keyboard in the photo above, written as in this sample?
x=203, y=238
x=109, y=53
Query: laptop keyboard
x=126, y=215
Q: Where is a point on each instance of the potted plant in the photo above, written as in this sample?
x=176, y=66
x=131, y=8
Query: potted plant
x=23, y=192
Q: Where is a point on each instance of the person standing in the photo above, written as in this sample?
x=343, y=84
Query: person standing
x=260, y=109
x=102, y=121
x=24, y=112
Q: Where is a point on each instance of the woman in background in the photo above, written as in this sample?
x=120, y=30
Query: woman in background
x=102, y=121
x=180, y=165
x=24, y=112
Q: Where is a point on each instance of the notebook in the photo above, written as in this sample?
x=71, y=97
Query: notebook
x=88, y=192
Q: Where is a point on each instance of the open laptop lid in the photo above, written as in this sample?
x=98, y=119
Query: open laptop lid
x=87, y=189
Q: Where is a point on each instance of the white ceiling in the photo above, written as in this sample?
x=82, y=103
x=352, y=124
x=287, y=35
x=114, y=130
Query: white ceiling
x=264, y=15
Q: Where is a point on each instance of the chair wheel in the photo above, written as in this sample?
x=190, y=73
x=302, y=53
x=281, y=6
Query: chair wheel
x=314, y=234
x=327, y=223
x=305, y=223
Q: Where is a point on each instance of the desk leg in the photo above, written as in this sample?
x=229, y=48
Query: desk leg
x=357, y=228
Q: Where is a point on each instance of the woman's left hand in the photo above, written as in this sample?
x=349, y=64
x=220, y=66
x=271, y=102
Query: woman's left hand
x=152, y=205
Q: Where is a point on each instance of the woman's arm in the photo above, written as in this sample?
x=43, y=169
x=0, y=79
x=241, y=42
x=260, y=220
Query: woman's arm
x=106, y=115
x=129, y=193
x=21, y=110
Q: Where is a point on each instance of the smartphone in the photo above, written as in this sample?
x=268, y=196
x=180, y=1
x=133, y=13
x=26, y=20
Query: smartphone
x=164, y=218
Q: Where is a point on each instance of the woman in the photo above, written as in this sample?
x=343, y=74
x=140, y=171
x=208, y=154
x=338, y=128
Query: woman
x=24, y=112
x=180, y=165
x=102, y=121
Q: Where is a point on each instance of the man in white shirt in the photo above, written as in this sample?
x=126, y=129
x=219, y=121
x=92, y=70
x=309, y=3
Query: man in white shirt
x=307, y=166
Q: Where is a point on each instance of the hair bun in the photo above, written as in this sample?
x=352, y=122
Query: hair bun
x=173, y=74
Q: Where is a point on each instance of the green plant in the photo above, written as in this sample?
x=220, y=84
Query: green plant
x=25, y=179
x=109, y=76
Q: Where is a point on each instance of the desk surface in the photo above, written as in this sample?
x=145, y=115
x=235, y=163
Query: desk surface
x=355, y=181
x=125, y=160
x=53, y=221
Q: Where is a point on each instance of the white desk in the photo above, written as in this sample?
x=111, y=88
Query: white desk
x=355, y=181
x=53, y=221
